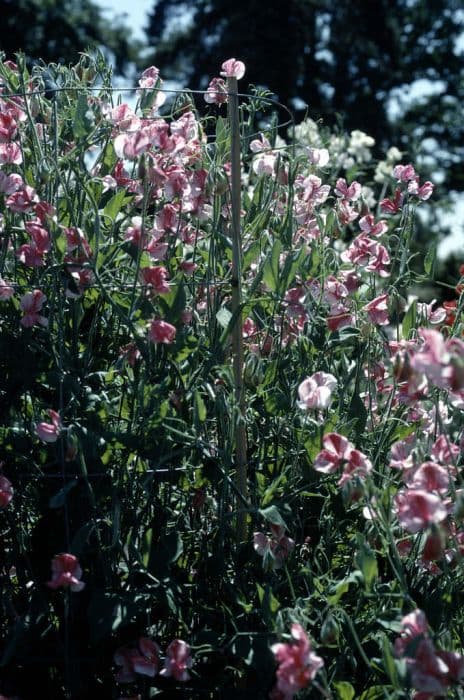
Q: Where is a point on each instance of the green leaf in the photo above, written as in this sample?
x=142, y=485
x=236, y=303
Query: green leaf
x=366, y=561
x=83, y=118
x=271, y=269
x=358, y=413
x=222, y=138
x=115, y=204
x=345, y=690
x=59, y=499
x=374, y=693
x=343, y=337
x=341, y=588
x=409, y=320
x=272, y=515
x=389, y=663
x=200, y=408
x=430, y=260
x=291, y=265
x=223, y=317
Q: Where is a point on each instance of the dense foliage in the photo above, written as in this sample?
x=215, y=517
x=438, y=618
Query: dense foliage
x=57, y=30
x=345, y=60
x=133, y=561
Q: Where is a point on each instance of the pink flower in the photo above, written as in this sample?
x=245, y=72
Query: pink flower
x=22, y=200
x=274, y=549
x=130, y=146
x=392, y=206
x=356, y=466
x=431, y=671
x=444, y=451
x=377, y=310
x=31, y=303
x=8, y=127
x=10, y=153
x=416, y=509
x=66, y=573
x=156, y=277
x=298, y=664
x=177, y=661
x=336, y=450
x=413, y=625
x=318, y=156
x=49, y=432
x=149, y=77
x=143, y=660
x=10, y=183
x=161, y=332
x=430, y=476
x=351, y=192
x=425, y=191
x=6, y=290
x=316, y=391
x=6, y=491
x=216, y=92
x=368, y=225
x=233, y=69
x=404, y=173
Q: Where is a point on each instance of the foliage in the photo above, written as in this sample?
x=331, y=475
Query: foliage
x=56, y=30
x=345, y=60
x=122, y=571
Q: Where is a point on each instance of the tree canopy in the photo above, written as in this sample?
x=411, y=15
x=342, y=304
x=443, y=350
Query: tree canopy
x=345, y=60
x=56, y=30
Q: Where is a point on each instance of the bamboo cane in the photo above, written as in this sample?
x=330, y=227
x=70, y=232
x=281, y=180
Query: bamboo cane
x=237, y=330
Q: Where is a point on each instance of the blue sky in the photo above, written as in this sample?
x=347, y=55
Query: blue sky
x=136, y=12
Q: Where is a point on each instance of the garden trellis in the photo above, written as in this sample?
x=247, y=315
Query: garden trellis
x=201, y=337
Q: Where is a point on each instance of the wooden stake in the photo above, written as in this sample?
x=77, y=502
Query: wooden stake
x=241, y=480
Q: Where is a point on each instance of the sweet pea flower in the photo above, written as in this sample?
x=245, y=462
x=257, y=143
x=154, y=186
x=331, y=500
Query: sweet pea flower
x=31, y=303
x=336, y=450
x=177, y=661
x=10, y=153
x=6, y=290
x=233, y=69
x=351, y=192
x=155, y=277
x=423, y=192
x=143, y=660
x=6, y=492
x=431, y=671
x=216, y=92
x=416, y=509
x=66, y=573
x=404, y=173
x=49, y=432
x=298, y=664
x=150, y=77
x=368, y=224
x=275, y=548
x=161, y=332
x=377, y=310
x=316, y=391
x=318, y=156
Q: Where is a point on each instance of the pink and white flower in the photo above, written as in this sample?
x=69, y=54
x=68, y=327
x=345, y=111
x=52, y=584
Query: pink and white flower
x=316, y=391
x=298, y=664
x=233, y=69
x=178, y=661
x=161, y=332
x=50, y=432
x=144, y=660
x=6, y=491
x=66, y=573
x=31, y=304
